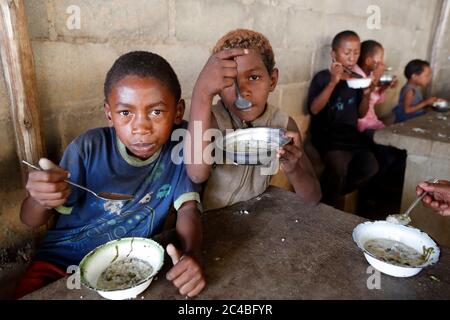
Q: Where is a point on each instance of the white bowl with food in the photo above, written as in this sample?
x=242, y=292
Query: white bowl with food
x=122, y=269
x=252, y=146
x=396, y=250
x=441, y=105
x=359, y=83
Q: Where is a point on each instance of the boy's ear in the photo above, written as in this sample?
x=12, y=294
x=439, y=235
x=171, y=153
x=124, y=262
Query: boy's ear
x=273, y=79
x=179, y=112
x=108, y=113
x=333, y=55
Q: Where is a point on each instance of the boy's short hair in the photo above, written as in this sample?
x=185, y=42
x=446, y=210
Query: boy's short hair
x=248, y=39
x=142, y=64
x=415, y=66
x=341, y=36
x=368, y=49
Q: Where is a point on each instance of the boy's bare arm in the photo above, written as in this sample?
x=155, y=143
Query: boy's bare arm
x=408, y=107
x=218, y=73
x=298, y=168
x=322, y=99
x=187, y=274
x=364, y=105
x=47, y=190
x=189, y=228
x=33, y=214
x=200, y=117
x=319, y=102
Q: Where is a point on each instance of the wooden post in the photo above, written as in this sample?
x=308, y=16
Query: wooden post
x=18, y=67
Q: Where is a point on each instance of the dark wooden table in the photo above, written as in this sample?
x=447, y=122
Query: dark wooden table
x=284, y=249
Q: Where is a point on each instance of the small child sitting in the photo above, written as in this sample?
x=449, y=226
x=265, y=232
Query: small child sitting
x=244, y=57
x=371, y=62
x=411, y=103
x=133, y=156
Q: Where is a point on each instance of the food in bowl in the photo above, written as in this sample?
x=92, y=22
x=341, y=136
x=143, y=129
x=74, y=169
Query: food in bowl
x=361, y=83
x=124, y=273
x=397, y=253
x=252, y=146
x=123, y=268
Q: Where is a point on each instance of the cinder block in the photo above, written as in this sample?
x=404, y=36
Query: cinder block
x=270, y=20
x=304, y=28
x=205, y=21
x=293, y=98
x=104, y=19
x=69, y=76
x=294, y=64
x=36, y=12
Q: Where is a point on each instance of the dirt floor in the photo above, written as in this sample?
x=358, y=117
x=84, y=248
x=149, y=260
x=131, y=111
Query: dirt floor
x=13, y=262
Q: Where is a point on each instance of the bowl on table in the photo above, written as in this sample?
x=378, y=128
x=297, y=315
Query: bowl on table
x=441, y=105
x=359, y=83
x=394, y=249
x=122, y=269
x=252, y=146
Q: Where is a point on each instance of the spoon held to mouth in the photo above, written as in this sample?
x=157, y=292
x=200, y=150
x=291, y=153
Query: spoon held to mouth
x=241, y=103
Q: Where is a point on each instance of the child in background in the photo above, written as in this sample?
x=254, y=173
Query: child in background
x=391, y=161
x=411, y=103
x=244, y=56
x=335, y=109
x=133, y=156
x=371, y=62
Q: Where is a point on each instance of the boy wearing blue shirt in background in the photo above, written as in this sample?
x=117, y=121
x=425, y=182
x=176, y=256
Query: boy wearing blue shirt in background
x=133, y=156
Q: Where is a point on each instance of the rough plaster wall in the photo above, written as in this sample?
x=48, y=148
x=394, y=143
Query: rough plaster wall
x=71, y=64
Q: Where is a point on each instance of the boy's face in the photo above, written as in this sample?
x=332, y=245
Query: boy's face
x=255, y=84
x=143, y=112
x=424, y=78
x=376, y=59
x=348, y=52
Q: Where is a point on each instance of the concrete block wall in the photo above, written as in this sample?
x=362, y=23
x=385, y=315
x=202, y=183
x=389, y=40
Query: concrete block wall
x=71, y=64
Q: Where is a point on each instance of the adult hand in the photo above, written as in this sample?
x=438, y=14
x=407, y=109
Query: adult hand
x=438, y=197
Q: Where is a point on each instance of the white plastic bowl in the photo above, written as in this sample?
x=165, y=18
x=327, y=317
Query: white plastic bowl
x=356, y=83
x=441, y=105
x=96, y=261
x=407, y=235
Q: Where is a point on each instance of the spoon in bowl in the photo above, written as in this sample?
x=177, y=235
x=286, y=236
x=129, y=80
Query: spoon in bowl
x=108, y=196
x=403, y=218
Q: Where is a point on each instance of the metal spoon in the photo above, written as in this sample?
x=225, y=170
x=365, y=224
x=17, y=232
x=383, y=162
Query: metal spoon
x=241, y=103
x=404, y=218
x=109, y=196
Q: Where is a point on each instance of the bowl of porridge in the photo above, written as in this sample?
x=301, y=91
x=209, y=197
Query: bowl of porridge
x=252, y=146
x=122, y=269
x=394, y=249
